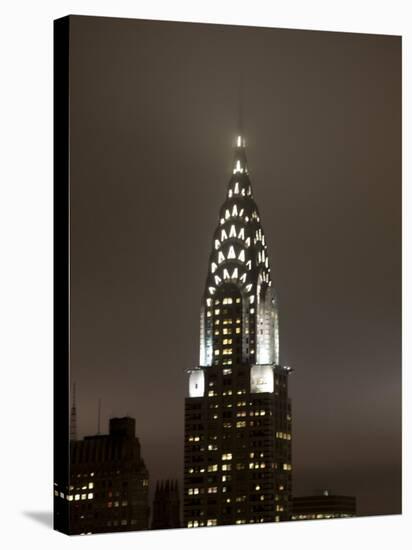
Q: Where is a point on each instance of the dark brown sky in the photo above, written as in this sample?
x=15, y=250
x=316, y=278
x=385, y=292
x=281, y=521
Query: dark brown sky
x=153, y=117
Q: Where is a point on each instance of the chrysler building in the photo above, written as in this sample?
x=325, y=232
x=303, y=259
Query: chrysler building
x=237, y=465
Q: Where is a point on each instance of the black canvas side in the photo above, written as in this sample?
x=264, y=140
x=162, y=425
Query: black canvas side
x=61, y=273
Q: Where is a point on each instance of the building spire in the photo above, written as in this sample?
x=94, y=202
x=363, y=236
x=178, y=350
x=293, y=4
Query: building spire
x=240, y=163
x=240, y=110
x=99, y=408
x=73, y=416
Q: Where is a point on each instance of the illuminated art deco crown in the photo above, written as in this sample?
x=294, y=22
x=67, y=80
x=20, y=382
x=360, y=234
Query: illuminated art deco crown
x=239, y=277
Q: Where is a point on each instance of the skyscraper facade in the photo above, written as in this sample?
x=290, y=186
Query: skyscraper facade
x=109, y=482
x=166, y=506
x=237, y=462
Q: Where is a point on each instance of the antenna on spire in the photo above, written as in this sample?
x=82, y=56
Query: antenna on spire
x=99, y=407
x=73, y=416
x=240, y=106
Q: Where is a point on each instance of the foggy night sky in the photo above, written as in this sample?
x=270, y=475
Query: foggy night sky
x=153, y=121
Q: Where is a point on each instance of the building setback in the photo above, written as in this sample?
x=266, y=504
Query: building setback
x=108, y=482
x=237, y=456
x=166, y=506
x=324, y=506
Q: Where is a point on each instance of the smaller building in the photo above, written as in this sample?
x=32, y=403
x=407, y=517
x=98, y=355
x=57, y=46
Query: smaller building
x=166, y=506
x=109, y=482
x=323, y=506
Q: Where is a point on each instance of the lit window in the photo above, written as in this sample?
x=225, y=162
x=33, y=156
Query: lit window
x=238, y=167
x=235, y=273
x=237, y=188
x=221, y=257
x=232, y=231
x=90, y=496
x=214, y=267
x=231, y=254
x=217, y=244
x=242, y=255
x=227, y=456
x=227, y=214
x=234, y=210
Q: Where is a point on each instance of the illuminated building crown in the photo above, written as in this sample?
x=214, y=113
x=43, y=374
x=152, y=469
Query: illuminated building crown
x=239, y=314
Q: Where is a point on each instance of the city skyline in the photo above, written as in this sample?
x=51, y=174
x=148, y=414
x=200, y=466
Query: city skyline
x=332, y=222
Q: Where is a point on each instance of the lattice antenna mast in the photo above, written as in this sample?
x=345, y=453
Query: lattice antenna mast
x=99, y=410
